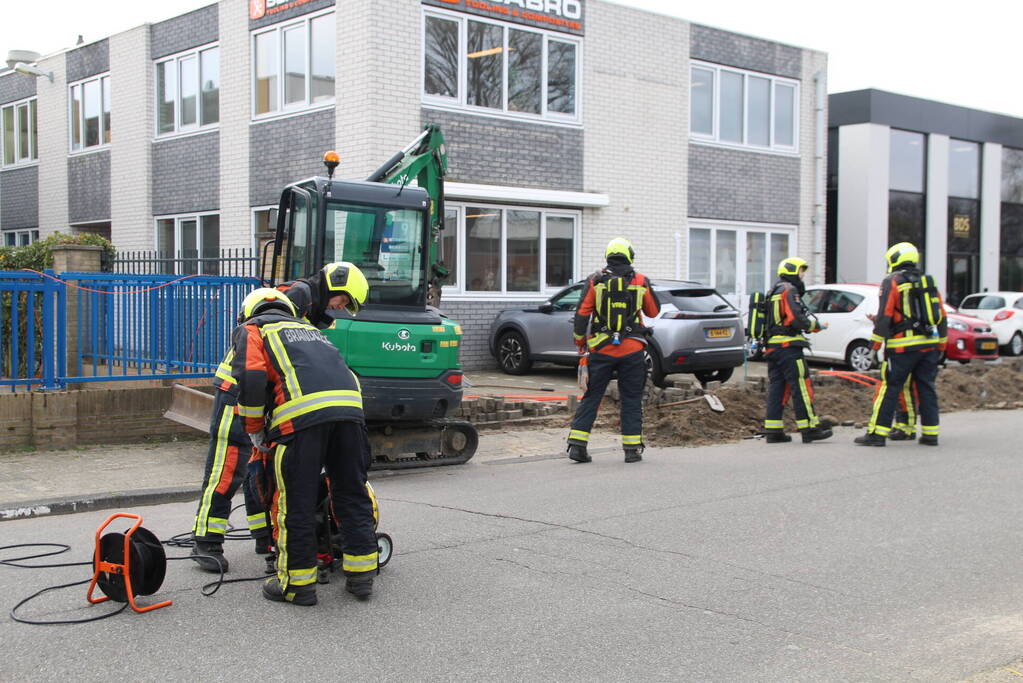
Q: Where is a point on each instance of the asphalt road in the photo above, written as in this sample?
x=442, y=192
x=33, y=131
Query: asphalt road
x=744, y=562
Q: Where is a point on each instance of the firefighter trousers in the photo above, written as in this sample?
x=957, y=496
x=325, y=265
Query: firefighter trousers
x=921, y=367
x=226, y=469
x=788, y=377
x=342, y=448
x=631, y=371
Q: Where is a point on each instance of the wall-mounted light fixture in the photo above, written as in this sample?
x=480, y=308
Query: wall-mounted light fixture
x=32, y=70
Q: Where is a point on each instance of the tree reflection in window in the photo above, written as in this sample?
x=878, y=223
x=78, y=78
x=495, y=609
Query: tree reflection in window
x=485, y=57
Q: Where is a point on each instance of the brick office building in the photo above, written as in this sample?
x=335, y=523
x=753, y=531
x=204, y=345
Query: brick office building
x=567, y=123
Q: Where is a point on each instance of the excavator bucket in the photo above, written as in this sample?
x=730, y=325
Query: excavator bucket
x=190, y=407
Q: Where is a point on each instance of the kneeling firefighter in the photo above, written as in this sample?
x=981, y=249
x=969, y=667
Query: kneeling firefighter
x=296, y=392
x=786, y=319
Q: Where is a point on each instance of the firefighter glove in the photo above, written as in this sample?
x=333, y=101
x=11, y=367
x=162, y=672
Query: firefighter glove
x=259, y=440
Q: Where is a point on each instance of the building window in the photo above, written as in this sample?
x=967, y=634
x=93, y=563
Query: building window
x=508, y=250
x=189, y=245
x=90, y=113
x=18, y=132
x=714, y=258
x=188, y=91
x=743, y=108
x=1010, y=268
x=906, y=188
x=963, y=275
x=494, y=67
x=20, y=238
x=293, y=65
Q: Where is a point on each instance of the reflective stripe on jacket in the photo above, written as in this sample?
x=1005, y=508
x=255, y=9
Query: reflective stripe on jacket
x=787, y=318
x=894, y=313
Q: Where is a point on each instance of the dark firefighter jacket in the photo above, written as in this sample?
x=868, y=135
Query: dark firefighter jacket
x=600, y=341
x=894, y=323
x=290, y=377
x=309, y=296
x=787, y=317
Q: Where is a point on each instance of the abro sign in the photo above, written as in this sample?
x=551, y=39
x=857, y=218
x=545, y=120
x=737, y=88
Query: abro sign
x=261, y=8
x=559, y=15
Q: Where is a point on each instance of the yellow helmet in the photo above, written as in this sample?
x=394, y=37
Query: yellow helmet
x=898, y=254
x=259, y=300
x=792, y=266
x=342, y=277
x=622, y=247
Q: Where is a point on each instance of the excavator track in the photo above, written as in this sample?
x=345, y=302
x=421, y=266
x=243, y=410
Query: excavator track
x=413, y=445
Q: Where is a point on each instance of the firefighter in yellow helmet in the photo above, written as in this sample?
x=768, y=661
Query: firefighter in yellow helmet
x=911, y=324
x=786, y=321
x=335, y=287
x=296, y=392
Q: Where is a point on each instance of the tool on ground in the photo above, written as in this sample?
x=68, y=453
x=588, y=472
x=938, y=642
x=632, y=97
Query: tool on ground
x=128, y=564
x=713, y=401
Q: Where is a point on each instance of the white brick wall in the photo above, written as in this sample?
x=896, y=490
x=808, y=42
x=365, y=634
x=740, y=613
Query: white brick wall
x=235, y=114
x=812, y=175
x=635, y=113
x=131, y=125
x=52, y=111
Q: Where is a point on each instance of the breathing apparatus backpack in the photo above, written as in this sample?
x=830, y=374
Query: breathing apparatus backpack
x=616, y=313
x=756, y=317
x=925, y=310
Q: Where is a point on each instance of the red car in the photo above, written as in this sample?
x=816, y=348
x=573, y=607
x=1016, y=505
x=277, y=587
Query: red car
x=969, y=338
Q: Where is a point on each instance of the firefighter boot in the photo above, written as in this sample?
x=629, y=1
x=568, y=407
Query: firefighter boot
x=578, y=453
x=209, y=556
x=899, y=435
x=870, y=439
x=777, y=436
x=928, y=440
x=360, y=585
x=296, y=595
x=816, y=434
x=264, y=545
x=633, y=454
x=271, y=563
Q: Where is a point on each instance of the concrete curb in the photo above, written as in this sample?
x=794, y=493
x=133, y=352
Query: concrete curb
x=100, y=501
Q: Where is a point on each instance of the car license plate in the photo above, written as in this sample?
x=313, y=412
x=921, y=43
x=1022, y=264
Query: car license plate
x=989, y=345
x=719, y=333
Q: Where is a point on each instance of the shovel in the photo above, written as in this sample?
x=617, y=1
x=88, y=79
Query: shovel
x=713, y=401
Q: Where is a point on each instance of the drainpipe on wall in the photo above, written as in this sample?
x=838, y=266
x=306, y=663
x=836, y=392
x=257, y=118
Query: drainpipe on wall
x=678, y=256
x=819, y=181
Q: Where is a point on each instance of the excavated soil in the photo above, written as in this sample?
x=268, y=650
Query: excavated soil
x=993, y=386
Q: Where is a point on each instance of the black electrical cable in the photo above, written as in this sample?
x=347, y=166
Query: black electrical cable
x=61, y=621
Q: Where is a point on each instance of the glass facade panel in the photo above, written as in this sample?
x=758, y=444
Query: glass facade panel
x=963, y=169
x=76, y=117
x=525, y=66
x=23, y=132
x=758, y=113
x=730, y=124
x=322, y=59
x=561, y=77
x=294, y=65
x=699, y=255
x=725, y=261
x=523, y=249
x=447, y=247
x=779, y=252
x=92, y=108
x=784, y=115
x=756, y=262
x=486, y=59
x=105, y=82
x=166, y=97
x=483, y=249
x=963, y=248
x=702, y=101
x=33, y=116
x=209, y=70
x=8, y=135
x=1010, y=269
x=560, y=249
x=906, y=218
x=188, y=70
x=266, y=72
x=906, y=164
x=441, y=68
x=210, y=245
x=1012, y=175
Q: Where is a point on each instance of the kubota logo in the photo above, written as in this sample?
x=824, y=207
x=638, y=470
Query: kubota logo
x=390, y=346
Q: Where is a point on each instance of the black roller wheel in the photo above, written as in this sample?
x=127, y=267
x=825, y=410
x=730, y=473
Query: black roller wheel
x=385, y=548
x=717, y=375
x=513, y=353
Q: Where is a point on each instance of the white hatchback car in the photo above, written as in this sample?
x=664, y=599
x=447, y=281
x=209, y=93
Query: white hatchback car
x=1004, y=310
x=844, y=308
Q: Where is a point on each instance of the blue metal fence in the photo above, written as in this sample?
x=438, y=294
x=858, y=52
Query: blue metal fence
x=117, y=327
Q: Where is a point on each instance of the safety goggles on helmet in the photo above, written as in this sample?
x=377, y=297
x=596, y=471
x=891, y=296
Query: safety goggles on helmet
x=622, y=247
x=262, y=299
x=342, y=277
x=900, y=254
x=792, y=266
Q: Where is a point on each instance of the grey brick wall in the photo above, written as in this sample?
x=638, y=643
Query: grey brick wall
x=494, y=151
x=88, y=60
x=185, y=31
x=286, y=150
x=291, y=13
x=745, y=52
x=15, y=86
x=186, y=174
x=743, y=186
x=88, y=181
x=475, y=318
x=19, y=198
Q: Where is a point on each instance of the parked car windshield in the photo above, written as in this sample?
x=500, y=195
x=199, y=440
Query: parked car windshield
x=696, y=300
x=814, y=299
x=983, y=302
x=568, y=300
x=843, y=302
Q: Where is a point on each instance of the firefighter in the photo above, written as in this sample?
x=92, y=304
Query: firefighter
x=788, y=377
x=296, y=392
x=327, y=289
x=225, y=470
x=610, y=307
x=911, y=324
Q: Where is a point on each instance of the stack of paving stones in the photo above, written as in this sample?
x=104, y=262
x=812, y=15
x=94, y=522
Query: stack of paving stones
x=494, y=410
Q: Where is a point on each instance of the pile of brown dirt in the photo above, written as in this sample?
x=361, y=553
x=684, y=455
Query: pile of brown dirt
x=960, y=387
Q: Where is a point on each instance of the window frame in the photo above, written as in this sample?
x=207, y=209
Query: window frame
x=278, y=29
x=31, y=233
x=99, y=79
x=460, y=101
x=741, y=231
x=461, y=292
x=176, y=58
x=714, y=138
x=179, y=218
x=33, y=132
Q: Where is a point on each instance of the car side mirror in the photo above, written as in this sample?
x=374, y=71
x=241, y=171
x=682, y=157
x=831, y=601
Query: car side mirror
x=546, y=307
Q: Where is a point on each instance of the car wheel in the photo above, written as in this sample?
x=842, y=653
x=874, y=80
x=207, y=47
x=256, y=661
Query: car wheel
x=653, y=370
x=860, y=356
x=719, y=375
x=1015, y=345
x=513, y=354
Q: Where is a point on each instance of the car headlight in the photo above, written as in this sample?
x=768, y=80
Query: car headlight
x=958, y=325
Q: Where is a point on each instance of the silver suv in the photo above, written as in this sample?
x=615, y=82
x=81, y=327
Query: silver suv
x=697, y=331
